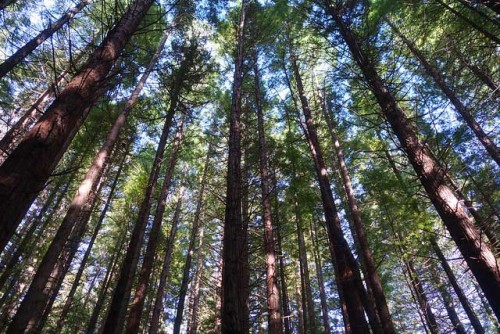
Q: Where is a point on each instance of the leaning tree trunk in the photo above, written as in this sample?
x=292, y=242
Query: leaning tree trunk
x=76, y=282
x=447, y=301
x=464, y=301
x=28, y=167
x=477, y=254
x=474, y=25
x=367, y=260
x=134, y=318
x=347, y=276
x=432, y=71
x=29, y=47
x=273, y=302
x=234, y=314
x=189, y=255
x=167, y=260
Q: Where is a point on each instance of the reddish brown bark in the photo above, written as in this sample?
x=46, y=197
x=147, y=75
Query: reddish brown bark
x=347, y=276
x=273, y=303
x=28, y=167
x=371, y=275
x=134, y=318
x=477, y=254
x=234, y=314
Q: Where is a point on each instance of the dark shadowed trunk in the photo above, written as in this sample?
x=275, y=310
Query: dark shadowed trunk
x=136, y=309
x=234, y=303
x=477, y=254
x=167, y=260
x=25, y=171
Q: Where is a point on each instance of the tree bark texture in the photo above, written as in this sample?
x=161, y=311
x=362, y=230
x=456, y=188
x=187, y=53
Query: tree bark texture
x=477, y=254
x=29, y=166
x=234, y=314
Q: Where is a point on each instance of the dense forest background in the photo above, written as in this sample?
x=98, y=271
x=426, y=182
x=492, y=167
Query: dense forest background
x=178, y=166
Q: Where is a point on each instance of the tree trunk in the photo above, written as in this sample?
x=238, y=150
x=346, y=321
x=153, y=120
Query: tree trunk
x=464, y=301
x=432, y=71
x=28, y=167
x=134, y=318
x=234, y=302
x=464, y=18
x=69, y=299
x=347, y=276
x=372, y=278
x=197, y=224
x=108, y=279
x=29, y=47
x=195, y=292
x=273, y=303
x=298, y=295
x=447, y=301
x=160, y=294
x=321, y=283
x=478, y=255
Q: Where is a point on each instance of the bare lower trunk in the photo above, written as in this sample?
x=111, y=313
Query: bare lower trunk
x=160, y=294
x=464, y=301
x=136, y=308
x=234, y=302
x=477, y=254
x=194, y=232
x=367, y=260
x=195, y=292
x=26, y=170
x=348, y=277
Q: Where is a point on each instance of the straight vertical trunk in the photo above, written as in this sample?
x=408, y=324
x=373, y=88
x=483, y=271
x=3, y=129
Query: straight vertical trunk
x=347, y=276
x=218, y=299
x=321, y=283
x=189, y=256
x=195, y=292
x=28, y=167
x=273, y=303
x=234, y=300
x=298, y=295
x=464, y=301
x=432, y=71
x=134, y=318
x=167, y=260
x=477, y=254
x=29, y=47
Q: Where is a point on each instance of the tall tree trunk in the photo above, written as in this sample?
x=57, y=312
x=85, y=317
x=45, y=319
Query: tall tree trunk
x=308, y=304
x=367, y=260
x=167, y=260
x=195, y=292
x=321, y=283
x=298, y=295
x=108, y=279
x=474, y=25
x=464, y=301
x=447, y=301
x=273, y=303
x=234, y=301
x=134, y=318
x=348, y=278
x=478, y=255
x=25, y=171
x=29, y=47
x=197, y=224
x=432, y=71
x=69, y=299
x=218, y=298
